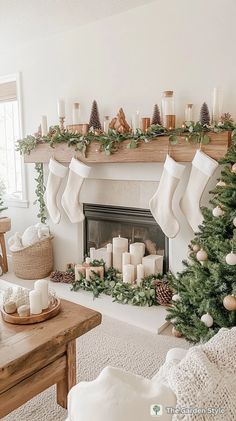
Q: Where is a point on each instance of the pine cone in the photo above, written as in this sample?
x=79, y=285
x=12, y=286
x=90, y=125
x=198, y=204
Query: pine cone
x=59, y=276
x=164, y=292
x=204, y=115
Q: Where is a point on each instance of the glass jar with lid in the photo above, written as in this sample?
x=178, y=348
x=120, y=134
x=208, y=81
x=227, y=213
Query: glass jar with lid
x=168, y=110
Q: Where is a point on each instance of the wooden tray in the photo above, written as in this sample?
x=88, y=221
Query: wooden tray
x=33, y=318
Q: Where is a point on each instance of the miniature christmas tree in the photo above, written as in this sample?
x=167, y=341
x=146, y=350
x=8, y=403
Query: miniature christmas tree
x=156, y=117
x=204, y=115
x=206, y=289
x=94, y=121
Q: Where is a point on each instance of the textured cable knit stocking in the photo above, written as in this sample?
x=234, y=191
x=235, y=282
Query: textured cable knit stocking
x=70, y=199
x=202, y=169
x=57, y=172
x=161, y=202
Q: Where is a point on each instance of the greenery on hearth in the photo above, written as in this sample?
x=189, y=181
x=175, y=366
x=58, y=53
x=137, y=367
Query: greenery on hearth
x=40, y=190
x=206, y=300
x=124, y=293
x=110, y=142
x=2, y=191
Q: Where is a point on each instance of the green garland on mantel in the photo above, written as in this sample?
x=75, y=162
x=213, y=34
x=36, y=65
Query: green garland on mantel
x=121, y=292
x=110, y=142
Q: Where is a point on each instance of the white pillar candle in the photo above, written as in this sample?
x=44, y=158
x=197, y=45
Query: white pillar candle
x=44, y=125
x=125, y=259
x=216, y=106
x=103, y=254
x=92, y=253
x=61, y=108
x=120, y=245
x=137, y=251
x=35, y=302
x=128, y=274
x=75, y=116
x=109, y=247
x=136, y=121
x=140, y=273
x=153, y=263
x=42, y=286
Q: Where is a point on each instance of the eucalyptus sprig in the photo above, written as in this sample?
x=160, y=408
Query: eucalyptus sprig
x=40, y=190
x=121, y=292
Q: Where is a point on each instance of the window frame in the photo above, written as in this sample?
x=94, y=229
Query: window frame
x=10, y=200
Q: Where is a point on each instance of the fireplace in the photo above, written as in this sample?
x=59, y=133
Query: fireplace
x=102, y=223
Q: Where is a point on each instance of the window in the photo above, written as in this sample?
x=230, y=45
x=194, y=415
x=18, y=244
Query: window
x=11, y=168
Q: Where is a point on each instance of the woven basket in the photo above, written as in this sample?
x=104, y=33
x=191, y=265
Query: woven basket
x=34, y=262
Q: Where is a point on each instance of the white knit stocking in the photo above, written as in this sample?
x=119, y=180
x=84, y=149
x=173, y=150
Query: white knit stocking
x=70, y=199
x=161, y=202
x=202, y=169
x=56, y=173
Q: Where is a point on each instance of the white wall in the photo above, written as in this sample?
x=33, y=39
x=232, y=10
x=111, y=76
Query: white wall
x=127, y=60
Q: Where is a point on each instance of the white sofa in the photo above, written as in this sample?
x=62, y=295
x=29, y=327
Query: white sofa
x=117, y=395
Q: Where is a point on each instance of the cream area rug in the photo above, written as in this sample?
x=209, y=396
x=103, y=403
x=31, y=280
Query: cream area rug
x=112, y=343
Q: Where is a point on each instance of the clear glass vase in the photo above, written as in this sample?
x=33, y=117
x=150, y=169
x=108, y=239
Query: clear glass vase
x=168, y=110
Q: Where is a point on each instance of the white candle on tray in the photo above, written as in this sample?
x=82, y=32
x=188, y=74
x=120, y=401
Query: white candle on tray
x=128, y=274
x=140, y=273
x=42, y=286
x=153, y=264
x=35, y=301
x=120, y=245
x=75, y=117
x=61, y=108
x=44, y=125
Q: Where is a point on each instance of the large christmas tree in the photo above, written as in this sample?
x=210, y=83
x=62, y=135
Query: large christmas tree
x=205, y=300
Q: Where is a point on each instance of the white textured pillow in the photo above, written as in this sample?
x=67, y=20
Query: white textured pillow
x=118, y=396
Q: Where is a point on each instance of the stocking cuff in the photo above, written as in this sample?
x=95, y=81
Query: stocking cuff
x=57, y=169
x=173, y=168
x=204, y=163
x=79, y=168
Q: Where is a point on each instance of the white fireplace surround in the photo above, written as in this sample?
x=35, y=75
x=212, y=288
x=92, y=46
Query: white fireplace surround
x=130, y=185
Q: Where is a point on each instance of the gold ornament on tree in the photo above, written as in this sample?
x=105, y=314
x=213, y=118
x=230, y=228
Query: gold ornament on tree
x=229, y=302
x=119, y=123
x=196, y=248
x=202, y=255
x=233, y=168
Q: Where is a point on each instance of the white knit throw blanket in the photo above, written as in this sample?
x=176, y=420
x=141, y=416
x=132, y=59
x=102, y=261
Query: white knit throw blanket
x=206, y=378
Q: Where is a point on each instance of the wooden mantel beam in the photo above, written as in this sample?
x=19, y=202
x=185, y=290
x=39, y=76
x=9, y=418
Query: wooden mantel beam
x=154, y=151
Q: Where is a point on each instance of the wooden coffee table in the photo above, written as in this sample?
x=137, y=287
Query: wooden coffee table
x=34, y=357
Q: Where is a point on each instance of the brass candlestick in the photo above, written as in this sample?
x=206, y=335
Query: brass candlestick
x=62, y=120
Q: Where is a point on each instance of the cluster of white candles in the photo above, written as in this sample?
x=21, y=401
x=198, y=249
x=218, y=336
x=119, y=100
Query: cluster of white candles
x=130, y=260
x=38, y=297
